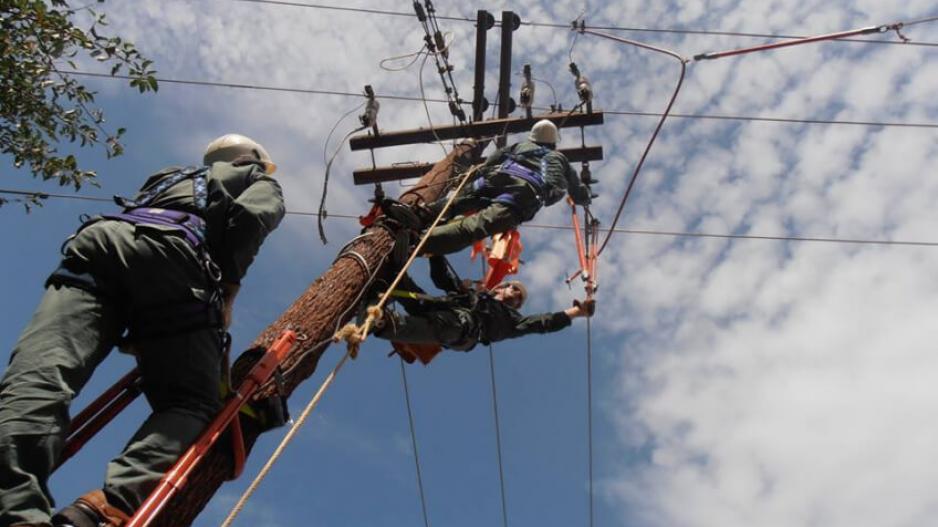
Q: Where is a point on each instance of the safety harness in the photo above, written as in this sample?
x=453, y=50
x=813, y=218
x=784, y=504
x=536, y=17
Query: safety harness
x=163, y=320
x=534, y=178
x=159, y=321
x=268, y=412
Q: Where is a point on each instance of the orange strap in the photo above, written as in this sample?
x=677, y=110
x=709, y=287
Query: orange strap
x=423, y=352
x=504, y=258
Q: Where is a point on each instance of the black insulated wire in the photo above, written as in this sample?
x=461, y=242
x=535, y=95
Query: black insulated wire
x=677, y=89
x=413, y=439
x=751, y=118
x=678, y=31
x=633, y=232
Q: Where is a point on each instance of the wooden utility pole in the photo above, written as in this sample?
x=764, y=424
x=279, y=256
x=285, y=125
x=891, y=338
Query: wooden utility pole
x=329, y=302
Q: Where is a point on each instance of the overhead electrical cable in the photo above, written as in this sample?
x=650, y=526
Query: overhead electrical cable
x=589, y=410
x=437, y=46
x=620, y=230
x=751, y=118
x=664, y=116
x=425, y=52
x=498, y=436
x=325, y=180
x=897, y=26
x=498, y=429
x=413, y=439
x=600, y=27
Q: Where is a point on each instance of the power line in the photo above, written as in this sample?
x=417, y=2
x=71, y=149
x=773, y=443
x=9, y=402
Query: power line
x=351, y=9
x=413, y=438
x=244, y=86
x=566, y=25
x=727, y=34
x=498, y=436
x=636, y=232
x=654, y=135
x=751, y=118
x=312, y=91
x=498, y=431
x=589, y=410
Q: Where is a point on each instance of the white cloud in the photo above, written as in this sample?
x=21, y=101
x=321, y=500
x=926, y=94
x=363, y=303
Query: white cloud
x=772, y=383
x=778, y=383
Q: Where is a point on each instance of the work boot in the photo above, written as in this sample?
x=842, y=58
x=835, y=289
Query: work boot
x=76, y=515
x=91, y=510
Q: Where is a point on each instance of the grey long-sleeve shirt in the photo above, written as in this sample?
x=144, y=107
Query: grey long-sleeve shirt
x=244, y=206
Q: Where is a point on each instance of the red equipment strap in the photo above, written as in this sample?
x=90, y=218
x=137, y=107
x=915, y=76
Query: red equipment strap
x=502, y=259
x=369, y=219
x=177, y=476
x=423, y=352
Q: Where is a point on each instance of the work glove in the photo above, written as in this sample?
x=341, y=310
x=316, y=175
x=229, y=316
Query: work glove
x=586, y=307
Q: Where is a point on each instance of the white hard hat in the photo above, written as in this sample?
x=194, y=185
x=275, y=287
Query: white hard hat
x=544, y=131
x=232, y=146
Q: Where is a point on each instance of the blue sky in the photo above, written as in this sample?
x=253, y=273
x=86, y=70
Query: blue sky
x=735, y=382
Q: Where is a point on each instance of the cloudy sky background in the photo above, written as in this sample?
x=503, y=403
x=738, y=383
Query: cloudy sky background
x=736, y=382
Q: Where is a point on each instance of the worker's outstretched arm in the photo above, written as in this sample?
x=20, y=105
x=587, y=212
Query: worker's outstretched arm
x=581, y=308
x=550, y=322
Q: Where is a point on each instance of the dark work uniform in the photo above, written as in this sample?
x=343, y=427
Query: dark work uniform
x=113, y=274
x=463, y=317
x=512, y=186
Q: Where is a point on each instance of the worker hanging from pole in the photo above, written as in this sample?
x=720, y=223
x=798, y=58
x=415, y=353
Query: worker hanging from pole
x=465, y=316
x=166, y=270
x=512, y=185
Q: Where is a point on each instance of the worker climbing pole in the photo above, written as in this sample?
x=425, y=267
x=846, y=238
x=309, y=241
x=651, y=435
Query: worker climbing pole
x=279, y=360
x=315, y=316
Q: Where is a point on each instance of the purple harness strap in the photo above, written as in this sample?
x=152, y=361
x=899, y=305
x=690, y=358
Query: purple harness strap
x=520, y=171
x=191, y=226
x=530, y=176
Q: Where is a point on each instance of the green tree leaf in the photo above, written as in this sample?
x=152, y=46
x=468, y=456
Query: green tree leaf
x=42, y=103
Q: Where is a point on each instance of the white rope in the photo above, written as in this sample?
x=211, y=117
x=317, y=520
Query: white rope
x=283, y=444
